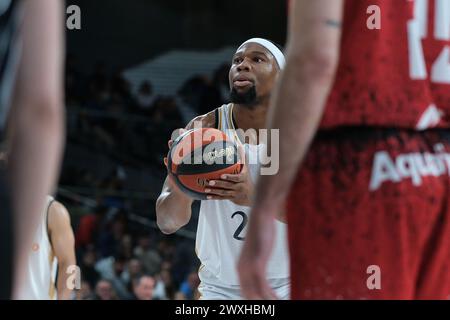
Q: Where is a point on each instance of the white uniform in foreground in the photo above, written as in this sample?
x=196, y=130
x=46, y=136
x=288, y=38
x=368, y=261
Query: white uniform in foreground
x=40, y=282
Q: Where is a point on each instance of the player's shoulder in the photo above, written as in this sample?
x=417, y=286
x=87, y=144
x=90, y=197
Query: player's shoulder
x=58, y=213
x=207, y=120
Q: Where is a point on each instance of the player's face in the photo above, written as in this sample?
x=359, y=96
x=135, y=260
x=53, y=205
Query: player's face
x=253, y=73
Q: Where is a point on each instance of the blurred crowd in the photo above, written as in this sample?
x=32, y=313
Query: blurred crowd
x=119, y=257
x=121, y=262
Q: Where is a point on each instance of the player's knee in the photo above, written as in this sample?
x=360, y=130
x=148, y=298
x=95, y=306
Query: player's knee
x=41, y=109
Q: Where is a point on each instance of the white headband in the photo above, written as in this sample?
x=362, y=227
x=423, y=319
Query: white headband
x=279, y=56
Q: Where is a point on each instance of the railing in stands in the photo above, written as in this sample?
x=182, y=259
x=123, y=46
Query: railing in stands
x=134, y=217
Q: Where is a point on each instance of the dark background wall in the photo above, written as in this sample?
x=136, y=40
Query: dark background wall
x=123, y=33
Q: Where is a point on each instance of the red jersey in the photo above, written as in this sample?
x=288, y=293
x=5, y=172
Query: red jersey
x=396, y=76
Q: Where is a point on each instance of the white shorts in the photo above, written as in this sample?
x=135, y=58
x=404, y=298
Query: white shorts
x=211, y=288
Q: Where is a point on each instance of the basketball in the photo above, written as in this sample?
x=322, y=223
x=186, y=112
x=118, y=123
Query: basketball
x=200, y=155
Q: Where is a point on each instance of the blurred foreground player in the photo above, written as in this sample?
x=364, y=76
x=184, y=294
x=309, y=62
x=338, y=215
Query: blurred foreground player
x=31, y=99
x=223, y=217
x=51, y=253
x=364, y=117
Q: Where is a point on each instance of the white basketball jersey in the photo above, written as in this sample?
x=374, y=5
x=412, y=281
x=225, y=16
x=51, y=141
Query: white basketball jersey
x=222, y=224
x=42, y=265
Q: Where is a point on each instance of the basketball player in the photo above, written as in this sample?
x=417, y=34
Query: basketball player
x=363, y=115
x=51, y=254
x=222, y=220
x=31, y=98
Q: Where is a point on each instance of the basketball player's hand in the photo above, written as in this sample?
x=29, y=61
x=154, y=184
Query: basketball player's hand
x=237, y=188
x=255, y=256
x=170, y=143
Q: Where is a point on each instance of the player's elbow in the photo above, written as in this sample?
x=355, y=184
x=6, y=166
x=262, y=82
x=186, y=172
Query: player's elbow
x=168, y=222
x=166, y=229
x=163, y=220
x=48, y=108
x=318, y=65
x=166, y=225
x=43, y=109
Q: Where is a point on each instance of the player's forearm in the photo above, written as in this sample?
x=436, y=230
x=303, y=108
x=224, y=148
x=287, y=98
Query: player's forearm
x=64, y=292
x=173, y=211
x=296, y=112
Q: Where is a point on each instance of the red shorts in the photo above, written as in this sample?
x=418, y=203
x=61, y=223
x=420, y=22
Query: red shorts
x=369, y=216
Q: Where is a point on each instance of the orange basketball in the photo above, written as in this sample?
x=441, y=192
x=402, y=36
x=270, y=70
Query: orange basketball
x=200, y=155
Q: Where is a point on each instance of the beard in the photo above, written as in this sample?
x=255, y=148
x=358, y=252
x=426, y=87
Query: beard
x=247, y=98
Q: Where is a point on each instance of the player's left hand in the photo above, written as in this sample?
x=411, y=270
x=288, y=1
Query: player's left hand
x=237, y=188
x=255, y=256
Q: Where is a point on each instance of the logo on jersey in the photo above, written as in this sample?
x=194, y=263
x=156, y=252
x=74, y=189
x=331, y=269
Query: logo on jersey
x=35, y=247
x=430, y=118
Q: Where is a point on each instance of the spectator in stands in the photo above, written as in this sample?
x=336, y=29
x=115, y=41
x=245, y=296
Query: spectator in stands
x=104, y=290
x=111, y=234
x=111, y=269
x=143, y=287
x=125, y=248
x=166, y=265
x=87, y=266
x=190, y=285
x=149, y=257
x=88, y=227
x=85, y=292
x=164, y=288
x=166, y=250
x=132, y=270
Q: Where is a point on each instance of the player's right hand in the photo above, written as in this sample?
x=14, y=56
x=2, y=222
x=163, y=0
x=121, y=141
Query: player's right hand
x=170, y=143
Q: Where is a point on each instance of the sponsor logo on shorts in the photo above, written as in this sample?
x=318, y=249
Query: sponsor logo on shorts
x=409, y=166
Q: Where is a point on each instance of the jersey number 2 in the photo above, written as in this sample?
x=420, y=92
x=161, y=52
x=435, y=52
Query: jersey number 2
x=237, y=233
x=417, y=31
